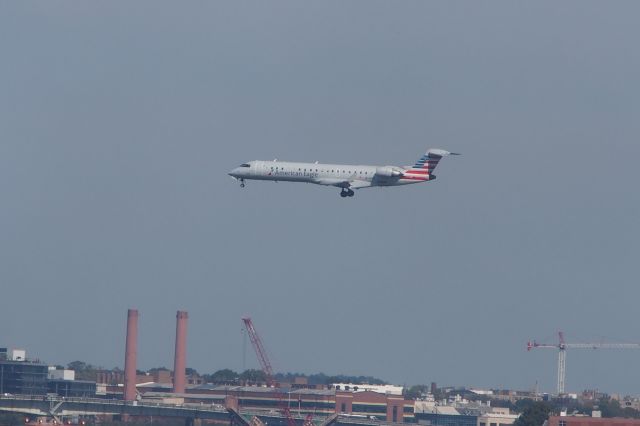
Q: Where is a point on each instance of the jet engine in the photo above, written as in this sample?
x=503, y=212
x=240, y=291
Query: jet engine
x=389, y=171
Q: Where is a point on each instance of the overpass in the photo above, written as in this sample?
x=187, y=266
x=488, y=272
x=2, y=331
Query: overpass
x=58, y=407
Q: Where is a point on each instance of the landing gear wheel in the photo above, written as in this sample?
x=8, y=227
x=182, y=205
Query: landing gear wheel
x=343, y=193
x=242, y=183
x=350, y=193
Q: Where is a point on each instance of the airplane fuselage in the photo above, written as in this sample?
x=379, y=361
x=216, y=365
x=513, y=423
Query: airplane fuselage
x=345, y=176
x=323, y=174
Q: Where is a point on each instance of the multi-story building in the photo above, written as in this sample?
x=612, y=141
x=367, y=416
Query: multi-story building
x=444, y=416
x=23, y=377
x=590, y=421
x=497, y=417
x=461, y=412
x=382, y=406
x=72, y=388
x=314, y=402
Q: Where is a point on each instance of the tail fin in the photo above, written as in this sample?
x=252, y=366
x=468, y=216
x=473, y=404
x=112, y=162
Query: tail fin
x=424, y=167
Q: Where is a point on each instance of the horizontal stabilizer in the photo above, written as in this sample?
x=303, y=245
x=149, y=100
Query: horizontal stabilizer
x=441, y=152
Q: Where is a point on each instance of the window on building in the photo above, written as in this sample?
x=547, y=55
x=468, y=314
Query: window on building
x=562, y=423
x=343, y=406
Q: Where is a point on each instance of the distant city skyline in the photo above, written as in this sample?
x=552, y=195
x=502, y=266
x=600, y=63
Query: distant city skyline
x=120, y=124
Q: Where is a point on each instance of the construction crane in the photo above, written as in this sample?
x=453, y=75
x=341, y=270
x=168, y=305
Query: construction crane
x=562, y=347
x=261, y=353
x=265, y=364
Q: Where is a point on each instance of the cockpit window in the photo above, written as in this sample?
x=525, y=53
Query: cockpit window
x=245, y=165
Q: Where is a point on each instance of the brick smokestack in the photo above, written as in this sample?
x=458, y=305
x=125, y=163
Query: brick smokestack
x=180, y=360
x=131, y=355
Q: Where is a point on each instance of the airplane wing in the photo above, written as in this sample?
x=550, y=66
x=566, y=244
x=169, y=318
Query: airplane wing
x=342, y=183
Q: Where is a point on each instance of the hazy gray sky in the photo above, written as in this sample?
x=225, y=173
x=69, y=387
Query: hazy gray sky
x=120, y=120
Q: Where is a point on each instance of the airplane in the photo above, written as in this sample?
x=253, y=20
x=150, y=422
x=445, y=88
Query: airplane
x=344, y=176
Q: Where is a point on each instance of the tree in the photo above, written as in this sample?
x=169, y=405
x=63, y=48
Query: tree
x=222, y=376
x=356, y=380
x=610, y=408
x=415, y=392
x=252, y=375
x=77, y=366
x=84, y=371
x=534, y=414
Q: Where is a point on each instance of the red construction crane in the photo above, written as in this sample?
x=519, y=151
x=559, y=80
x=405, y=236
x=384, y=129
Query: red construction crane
x=261, y=353
x=263, y=359
x=562, y=347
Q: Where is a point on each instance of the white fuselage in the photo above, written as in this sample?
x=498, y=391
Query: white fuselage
x=341, y=175
x=345, y=176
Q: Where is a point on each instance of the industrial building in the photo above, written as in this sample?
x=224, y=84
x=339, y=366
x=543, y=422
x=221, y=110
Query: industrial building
x=379, y=402
x=497, y=417
x=21, y=376
x=445, y=416
x=462, y=413
x=72, y=388
x=314, y=402
x=590, y=421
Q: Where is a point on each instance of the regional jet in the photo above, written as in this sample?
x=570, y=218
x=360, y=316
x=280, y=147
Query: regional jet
x=346, y=177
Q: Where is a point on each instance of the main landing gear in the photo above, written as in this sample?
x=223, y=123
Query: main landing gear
x=347, y=193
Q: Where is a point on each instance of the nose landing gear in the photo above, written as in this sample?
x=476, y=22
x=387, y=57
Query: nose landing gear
x=347, y=193
x=242, y=185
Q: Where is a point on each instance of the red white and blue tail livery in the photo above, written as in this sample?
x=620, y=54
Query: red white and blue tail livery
x=345, y=176
x=424, y=167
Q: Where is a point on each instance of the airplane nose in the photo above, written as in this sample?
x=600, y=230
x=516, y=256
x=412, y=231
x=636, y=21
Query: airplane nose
x=234, y=173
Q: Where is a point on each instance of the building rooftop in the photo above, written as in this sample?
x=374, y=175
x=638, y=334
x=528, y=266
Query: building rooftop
x=229, y=388
x=183, y=395
x=323, y=392
x=386, y=389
